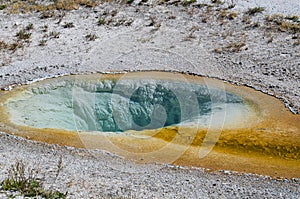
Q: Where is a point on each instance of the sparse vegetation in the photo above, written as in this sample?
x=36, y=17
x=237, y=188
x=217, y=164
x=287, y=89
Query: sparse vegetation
x=26, y=182
x=44, y=28
x=187, y=2
x=224, y=14
x=38, y=6
x=129, y=1
x=232, y=47
x=231, y=5
x=2, y=6
x=29, y=27
x=121, y=21
x=91, y=37
x=68, y=25
x=235, y=46
x=283, y=23
x=23, y=35
x=246, y=19
x=47, y=14
x=227, y=34
x=219, y=2
x=42, y=42
x=3, y=45
x=189, y=37
x=253, y=25
x=12, y=47
x=286, y=26
x=276, y=18
x=269, y=37
x=253, y=11
x=101, y=21
x=153, y=21
x=232, y=15
x=218, y=50
x=293, y=18
x=54, y=34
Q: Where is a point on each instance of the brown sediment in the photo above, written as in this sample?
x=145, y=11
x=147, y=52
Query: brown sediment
x=269, y=144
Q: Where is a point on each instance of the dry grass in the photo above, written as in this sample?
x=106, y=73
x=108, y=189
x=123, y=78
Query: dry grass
x=232, y=47
x=43, y=42
x=187, y=2
x=44, y=28
x=253, y=11
x=218, y=2
x=12, y=46
x=224, y=14
x=91, y=37
x=283, y=23
x=15, y=7
x=54, y=34
x=289, y=27
x=68, y=25
x=235, y=46
x=246, y=19
x=293, y=18
x=269, y=36
x=232, y=15
x=23, y=35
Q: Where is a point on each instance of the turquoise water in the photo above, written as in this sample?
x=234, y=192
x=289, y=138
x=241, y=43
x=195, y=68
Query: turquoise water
x=117, y=106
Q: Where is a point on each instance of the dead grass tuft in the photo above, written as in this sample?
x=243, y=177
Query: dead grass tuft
x=232, y=47
x=224, y=14
x=15, y=7
x=68, y=25
x=290, y=24
x=91, y=37
x=235, y=46
x=253, y=11
x=23, y=35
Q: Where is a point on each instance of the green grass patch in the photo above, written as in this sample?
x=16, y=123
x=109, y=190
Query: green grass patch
x=23, y=180
x=2, y=6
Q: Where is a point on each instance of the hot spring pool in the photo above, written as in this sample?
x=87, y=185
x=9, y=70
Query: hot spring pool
x=159, y=117
x=133, y=103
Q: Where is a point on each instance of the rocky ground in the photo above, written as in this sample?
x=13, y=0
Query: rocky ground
x=243, y=44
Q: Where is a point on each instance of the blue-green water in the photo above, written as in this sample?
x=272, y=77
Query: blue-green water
x=116, y=106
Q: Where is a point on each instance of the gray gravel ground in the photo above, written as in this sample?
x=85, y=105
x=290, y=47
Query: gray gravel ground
x=151, y=37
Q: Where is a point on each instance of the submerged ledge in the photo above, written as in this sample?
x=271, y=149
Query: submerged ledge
x=254, y=134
